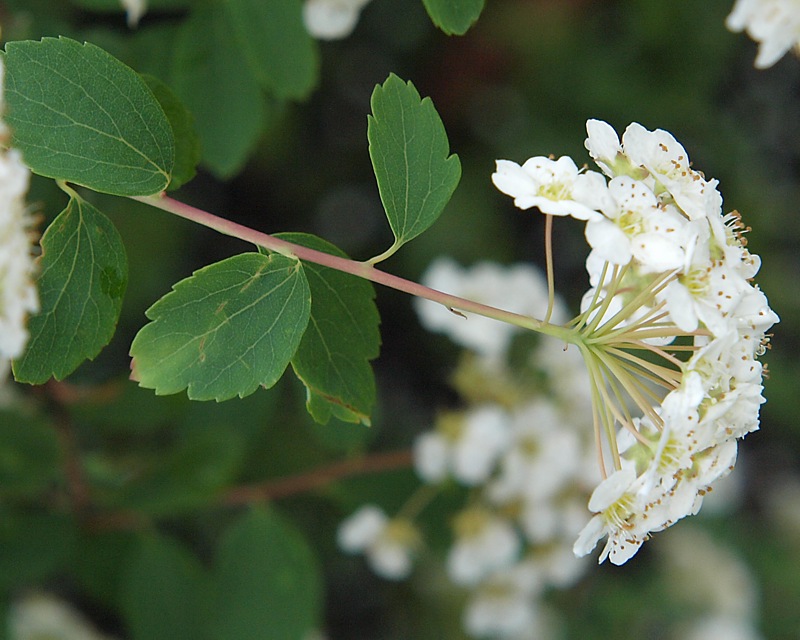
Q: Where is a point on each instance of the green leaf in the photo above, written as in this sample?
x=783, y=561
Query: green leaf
x=80, y=115
x=230, y=327
x=454, y=16
x=82, y=281
x=342, y=337
x=230, y=113
x=30, y=457
x=280, y=50
x=268, y=579
x=165, y=592
x=409, y=151
x=187, y=143
x=34, y=546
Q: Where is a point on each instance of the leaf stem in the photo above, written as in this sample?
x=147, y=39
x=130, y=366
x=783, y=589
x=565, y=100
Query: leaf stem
x=360, y=269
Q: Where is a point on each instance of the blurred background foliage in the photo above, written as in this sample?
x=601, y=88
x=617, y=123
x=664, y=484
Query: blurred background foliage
x=135, y=509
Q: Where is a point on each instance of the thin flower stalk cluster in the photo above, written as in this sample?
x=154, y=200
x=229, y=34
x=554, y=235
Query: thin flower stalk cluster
x=774, y=24
x=518, y=446
x=18, y=294
x=670, y=329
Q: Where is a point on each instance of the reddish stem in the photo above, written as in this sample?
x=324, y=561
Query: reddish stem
x=316, y=478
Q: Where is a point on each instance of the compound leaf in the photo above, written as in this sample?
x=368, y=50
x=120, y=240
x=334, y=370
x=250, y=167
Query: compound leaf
x=82, y=280
x=409, y=150
x=225, y=330
x=80, y=115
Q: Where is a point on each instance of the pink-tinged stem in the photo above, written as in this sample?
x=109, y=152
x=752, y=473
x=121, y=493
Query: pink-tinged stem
x=360, y=269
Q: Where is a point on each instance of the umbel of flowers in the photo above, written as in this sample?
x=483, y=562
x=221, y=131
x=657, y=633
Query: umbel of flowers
x=670, y=329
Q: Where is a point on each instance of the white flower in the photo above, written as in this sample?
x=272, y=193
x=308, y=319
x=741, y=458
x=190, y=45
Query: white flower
x=774, y=24
x=484, y=543
x=541, y=458
x=519, y=288
x=668, y=164
x=555, y=187
x=18, y=294
x=505, y=605
x=136, y=9
x=389, y=545
x=719, y=626
x=465, y=445
x=637, y=227
x=614, y=500
x=40, y=615
x=332, y=19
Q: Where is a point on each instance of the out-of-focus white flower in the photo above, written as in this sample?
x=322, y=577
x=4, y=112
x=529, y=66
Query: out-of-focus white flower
x=506, y=604
x=332, y=19
x=389, y=545
x=702, y=571
x=40, y=615
x=542, y=455
x=135, y=10
x=712, y=579
x=715, y=627
x=18, y=294
x=520, y=289
x=466, y=445
x=484, y=543
x=774, y=24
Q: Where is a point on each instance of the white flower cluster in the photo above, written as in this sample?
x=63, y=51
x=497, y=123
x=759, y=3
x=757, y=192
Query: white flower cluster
x=670, y=329
x=18, y=295
x=774, y=24
x=520, y=446
x=332, y=19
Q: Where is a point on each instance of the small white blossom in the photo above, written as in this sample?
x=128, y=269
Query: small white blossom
x=774, y=24
x=505, y=605
x=465, y=445
x=555, y=187
x=541, y=458
x=38, y=615
x=484, y=543
x=388, y=545
x=332, y=19
x=135, y=10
